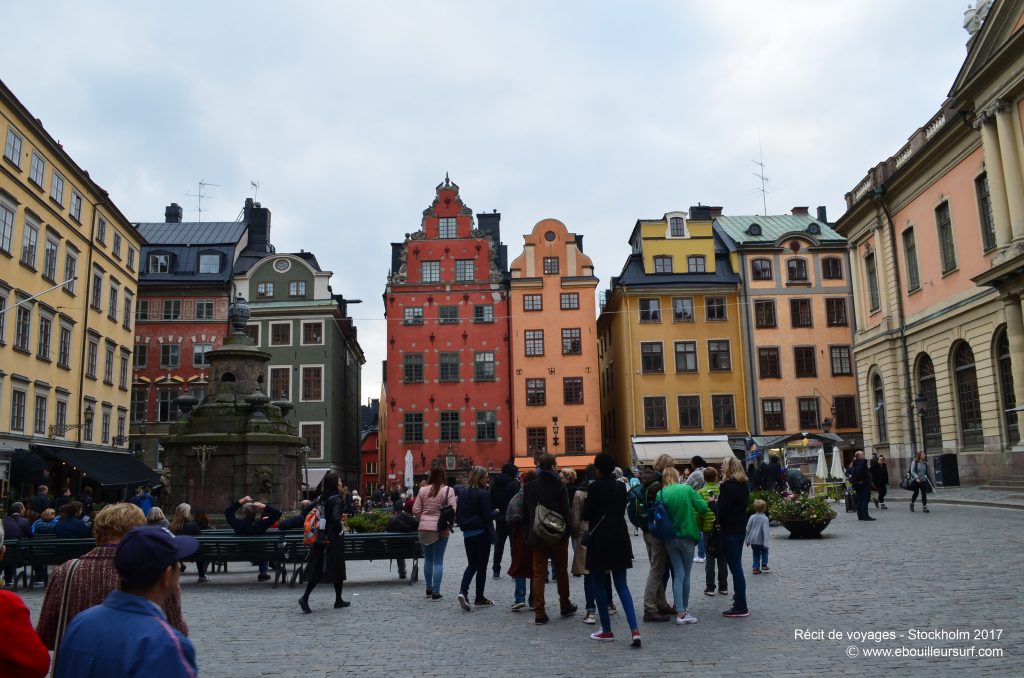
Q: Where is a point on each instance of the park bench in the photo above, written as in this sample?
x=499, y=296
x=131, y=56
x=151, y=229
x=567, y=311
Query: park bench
x=358, y=546
x=42, y=550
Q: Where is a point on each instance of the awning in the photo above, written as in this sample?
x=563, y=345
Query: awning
x=315, y=476
x=714, y=449
x=573, y=461
x=108, y=468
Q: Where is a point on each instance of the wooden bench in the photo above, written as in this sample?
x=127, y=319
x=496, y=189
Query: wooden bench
x=229, y=547
x=369, y=546
x=42, y=550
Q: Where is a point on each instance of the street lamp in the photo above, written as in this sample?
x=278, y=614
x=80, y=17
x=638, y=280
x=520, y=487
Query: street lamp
x=203, y=453
x=62, y=429
x=554, y=432
x=305, y=450
x=921, y=402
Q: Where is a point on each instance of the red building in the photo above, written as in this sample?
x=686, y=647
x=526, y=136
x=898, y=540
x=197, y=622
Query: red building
x=447, y=372
x=368, y=460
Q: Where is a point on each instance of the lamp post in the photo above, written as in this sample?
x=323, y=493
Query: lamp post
x=554, y=432
x=62, y=429
x=305, y=450
x=203, y=453
x=921, y=402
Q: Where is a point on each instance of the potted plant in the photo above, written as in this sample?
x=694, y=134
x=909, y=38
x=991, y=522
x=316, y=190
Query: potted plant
x=804, y=516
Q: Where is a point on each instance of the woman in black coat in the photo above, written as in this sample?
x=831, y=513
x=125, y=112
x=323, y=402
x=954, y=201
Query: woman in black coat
x=880, y=479
x=331, y=507
x=610, y=549
x=733, y=493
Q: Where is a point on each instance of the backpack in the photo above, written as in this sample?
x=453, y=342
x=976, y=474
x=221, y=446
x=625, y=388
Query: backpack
x=548, y=525
x=446, y=514
x=660, y=522
x=314, y=527
x=637, y=508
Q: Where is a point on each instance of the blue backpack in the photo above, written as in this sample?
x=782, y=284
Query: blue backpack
x=661, y=524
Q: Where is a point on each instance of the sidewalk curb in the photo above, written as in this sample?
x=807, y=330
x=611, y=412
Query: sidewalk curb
x=962, y=502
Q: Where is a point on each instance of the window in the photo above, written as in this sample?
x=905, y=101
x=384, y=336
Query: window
x=465, y=270
x=45, y=332
x=139, y=360
x=682, y=309
x=1009, y=401
x=313, y=382
x=483, y=366
x=312, y=333
x=18, y=410
x=533, y=302
x=772, y=418
x=536, y=392
x=650, y=310
x=91, y=357
x=61, y=418
x=988, y=226
x=120, y=427
x=662, y=264
x=29, y=243
x=651, y=358
x=570, y=301
x=122, y=373
x=695, y=263
x=39, y=420
x=967, y=396
x=280, y=383
x=835, y=313
x=808, y=409
x=769, y=365
x=70, y=271
x=172, y=309
x=910, y=254
x=686, y=356
x=265, y=289
x=832, y=268
x=448, y=364
x=677, y=227
x=718, y=355
x=446, y=227
x=872, y=275
x=804, y=358
x=142, y=310
x=131, y=259
x=927, y=388
x=314, y=434
x=575, y=439
x=253, y=332
x=204, y=309
x=87, y=429
x=64, y=347
x=412, y=427
x=112, y=302
x=689, y=411
x=57, y=187
x=483, y=313
x=170, y=355
x=199, y=357
x=881, y=430
x=448, y=315
x=159, y=263
x=796, y=269
x=534, y=342
x=846, y=411
x=97, y=290
x=571, y=344
x=117, y=245
x=140, y=404
x=944, y=223
x=412, y=368
x=572, y=390
x=449, y=426
x=101, y=231
x=655, y=417
x=165, y=409
x=23, y=327
x=281, y=334
x=550, y=265
x=76, y=205
x=6, y=227
x=800, y=313
x=723, y=412
x=12, y=149
x=764, y=313
x=412, y=315
x=209, y=263
x=297, y=288
x=430, y=271
x=841, y=364
x=714, y=308
x=3, y=315
x=487, y=425
x=536, y=440
x=761, y=269
x=50, y=260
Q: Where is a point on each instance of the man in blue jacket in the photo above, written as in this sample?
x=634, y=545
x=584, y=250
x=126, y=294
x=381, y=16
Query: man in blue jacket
x=257, y=518
x=128, y=635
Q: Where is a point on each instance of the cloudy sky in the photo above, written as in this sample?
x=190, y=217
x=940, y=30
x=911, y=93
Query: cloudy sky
x=595, y=113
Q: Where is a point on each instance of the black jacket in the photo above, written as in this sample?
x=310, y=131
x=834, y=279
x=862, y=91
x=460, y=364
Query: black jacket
x=879, y=474
x=333, y=508
x=732, y=506
x=610, y=547
x=771, y=476
x=190, y=528
x=548, y=491
x=251, y=527
x=17, y=527
x=71, y=528
x=39, y=503
x=859, y=474
x=473, y=509
x=295, y=522
x=502, y=490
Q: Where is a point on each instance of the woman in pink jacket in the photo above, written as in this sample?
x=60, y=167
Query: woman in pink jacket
x=427, y=508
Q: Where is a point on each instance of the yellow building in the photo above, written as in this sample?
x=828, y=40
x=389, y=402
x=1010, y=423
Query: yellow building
x=68, y=272
x=670, y=345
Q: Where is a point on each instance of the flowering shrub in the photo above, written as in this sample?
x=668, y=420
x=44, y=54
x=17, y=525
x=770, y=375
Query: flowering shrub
x=372, y=521
x=814, y=510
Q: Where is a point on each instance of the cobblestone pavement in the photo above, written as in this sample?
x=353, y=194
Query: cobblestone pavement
x=952, y=569
x=976, y=495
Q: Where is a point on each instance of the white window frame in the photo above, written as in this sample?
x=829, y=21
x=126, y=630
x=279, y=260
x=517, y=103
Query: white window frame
x=259, y=332
x=302, y=333
x=270, y=381
x=9, y=147
x=320, y=425
x=323, y=383
x=57, y=188
x=37, y=166
x=76, y=205
x=270, y=332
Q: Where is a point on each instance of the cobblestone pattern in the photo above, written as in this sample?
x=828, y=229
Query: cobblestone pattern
x=951, y=569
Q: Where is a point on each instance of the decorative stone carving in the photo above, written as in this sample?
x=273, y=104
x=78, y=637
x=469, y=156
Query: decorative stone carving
x=238, y=315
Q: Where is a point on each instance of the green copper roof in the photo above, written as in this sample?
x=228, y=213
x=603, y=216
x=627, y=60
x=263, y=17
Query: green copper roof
x=738, y=228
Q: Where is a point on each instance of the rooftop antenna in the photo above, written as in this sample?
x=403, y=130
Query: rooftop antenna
x=761, y=175
x=203, y=183
x=255, y=188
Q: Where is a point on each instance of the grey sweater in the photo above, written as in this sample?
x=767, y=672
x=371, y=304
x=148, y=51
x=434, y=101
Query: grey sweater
x=757, y=530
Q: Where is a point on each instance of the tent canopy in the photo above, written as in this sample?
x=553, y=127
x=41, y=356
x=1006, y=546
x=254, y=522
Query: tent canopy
x=315, y=476
x=714, y=449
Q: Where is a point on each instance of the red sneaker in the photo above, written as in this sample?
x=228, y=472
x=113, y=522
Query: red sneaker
x=603, y=635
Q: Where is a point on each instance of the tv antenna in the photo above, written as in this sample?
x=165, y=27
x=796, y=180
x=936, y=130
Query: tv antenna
x=255, y=188
x=203, y=183
x=761, y=175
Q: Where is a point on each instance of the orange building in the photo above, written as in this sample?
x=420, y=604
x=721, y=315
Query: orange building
x=556, y=399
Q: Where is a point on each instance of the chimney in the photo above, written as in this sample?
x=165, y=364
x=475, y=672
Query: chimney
x=579, y=242
x=715, y=212
x=822, y=214
x=258, y=218
x=700, y=213
x=172, y=214
x=798, y=211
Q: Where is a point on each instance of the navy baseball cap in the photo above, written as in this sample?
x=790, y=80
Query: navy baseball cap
x=145, y=552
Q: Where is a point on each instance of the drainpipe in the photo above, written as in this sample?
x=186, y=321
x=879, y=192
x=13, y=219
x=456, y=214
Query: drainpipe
x=753, y=412
x=631, y=376
x=85, y=320
x=907, y=382
x=511, y=384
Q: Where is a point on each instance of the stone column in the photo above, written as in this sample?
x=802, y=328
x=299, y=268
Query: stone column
x=1015, y=336
x=1014, y=178
x=996, y=179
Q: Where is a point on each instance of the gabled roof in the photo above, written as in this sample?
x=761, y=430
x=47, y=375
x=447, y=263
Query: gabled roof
x=773, y=227
x=992, y=38
x=193, y=233
x=633, y=274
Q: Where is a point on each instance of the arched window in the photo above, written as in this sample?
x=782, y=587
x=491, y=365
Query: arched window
x=761, y=269
x=797, y=269
x=1009, y=400
x=926, y=387
x=878, y=395
x=967, y=396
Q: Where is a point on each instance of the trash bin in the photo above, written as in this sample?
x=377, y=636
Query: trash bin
x=950, y=470
x=937, y=469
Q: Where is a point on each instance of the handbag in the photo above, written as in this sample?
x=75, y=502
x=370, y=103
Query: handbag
x=548, y=525
x=713, y=544
x=62, y=616
x=907, y=483
x=446, y=515
x=588, y=535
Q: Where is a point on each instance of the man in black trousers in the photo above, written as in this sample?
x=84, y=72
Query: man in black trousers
x=504, y=487
x=860, y=476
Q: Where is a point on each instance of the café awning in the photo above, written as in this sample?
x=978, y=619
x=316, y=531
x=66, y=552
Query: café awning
x=109, y=468
x=315, y=476
x=714, y=449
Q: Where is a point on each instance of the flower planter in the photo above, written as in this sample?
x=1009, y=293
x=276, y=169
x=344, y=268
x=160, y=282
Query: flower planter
x=801, y=529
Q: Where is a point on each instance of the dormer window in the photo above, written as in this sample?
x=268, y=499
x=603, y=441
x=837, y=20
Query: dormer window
x=636, y=245
x=159, y=263
x=209, y=263
x=446, y=227
x=662, y=264
x=813, y=228
x=754, y=229
x=677, y=227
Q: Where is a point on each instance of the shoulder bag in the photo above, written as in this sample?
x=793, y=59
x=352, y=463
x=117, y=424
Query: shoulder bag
x=62, y=616
x=446, y=514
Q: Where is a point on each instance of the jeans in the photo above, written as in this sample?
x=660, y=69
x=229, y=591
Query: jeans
x=709, y=569
x=862, y=499
x=478, y=551
x=433, y=563
x=588, y=590
x=680, y=554
x=264, y=566
x=501, y=533
x=760, y=555
x=654, y=591
x=701, y=553
x=602, y=598
x=520, y=594
x=559, y=553
x=733, y=544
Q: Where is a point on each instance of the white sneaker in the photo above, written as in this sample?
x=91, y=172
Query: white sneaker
x=464, y=602
x=698, y=559
x=687, y=618
x=590, y=619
